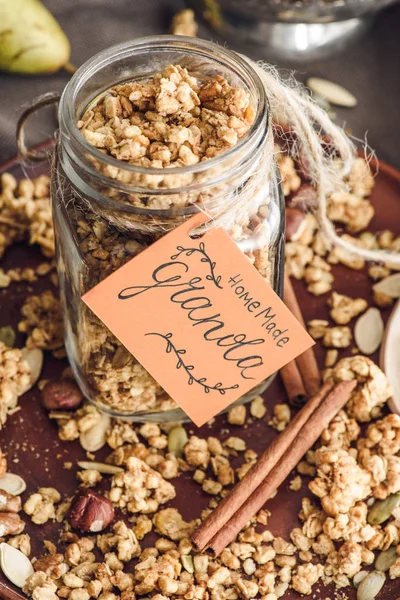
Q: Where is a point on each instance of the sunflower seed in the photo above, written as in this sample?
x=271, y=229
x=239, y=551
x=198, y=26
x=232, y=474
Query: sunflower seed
x=332, y=92
x=7, y=335
x=177, y=440
x=386, y=559
x=121, y=358
x=187, y=562
x=389, y=286
x=370, y=587
x=13, y=484
x=368, y=331
x=381, y=510
x=359, y=577
x=94, y=438
x=34, y=358
x=15, y=565
x=100, y=467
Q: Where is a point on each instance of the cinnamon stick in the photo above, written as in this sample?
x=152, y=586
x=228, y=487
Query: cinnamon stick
x=306, y=362
x=293, y=384
x=254, y=477
x=306, y=437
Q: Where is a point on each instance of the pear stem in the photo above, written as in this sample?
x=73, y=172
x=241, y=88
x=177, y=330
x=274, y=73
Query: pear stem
x=70, y=68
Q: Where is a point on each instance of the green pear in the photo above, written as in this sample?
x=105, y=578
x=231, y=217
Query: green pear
x=31, y=40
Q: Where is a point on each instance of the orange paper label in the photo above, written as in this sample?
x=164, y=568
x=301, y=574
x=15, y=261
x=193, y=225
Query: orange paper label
x=200, y=318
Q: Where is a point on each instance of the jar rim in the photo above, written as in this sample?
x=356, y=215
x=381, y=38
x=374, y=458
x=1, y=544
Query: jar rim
x=219, y=54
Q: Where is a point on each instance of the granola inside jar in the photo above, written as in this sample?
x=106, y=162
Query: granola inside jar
x=150, y=133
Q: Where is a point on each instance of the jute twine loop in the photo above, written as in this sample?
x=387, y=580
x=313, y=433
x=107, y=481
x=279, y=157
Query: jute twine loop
x=320, y=145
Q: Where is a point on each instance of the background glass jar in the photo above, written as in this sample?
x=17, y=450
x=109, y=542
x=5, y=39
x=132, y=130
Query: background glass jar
x=106, y=211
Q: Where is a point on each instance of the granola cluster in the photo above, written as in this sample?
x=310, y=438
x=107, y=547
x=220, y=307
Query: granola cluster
x=25, y=213
x=309, y=257
x=14, y=379
x=43, y=323
x=170, y=120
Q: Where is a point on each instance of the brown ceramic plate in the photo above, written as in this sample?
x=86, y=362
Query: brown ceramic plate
x=35, y=452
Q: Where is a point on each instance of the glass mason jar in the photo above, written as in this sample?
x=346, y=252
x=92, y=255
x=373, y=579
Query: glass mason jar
x=105, y=211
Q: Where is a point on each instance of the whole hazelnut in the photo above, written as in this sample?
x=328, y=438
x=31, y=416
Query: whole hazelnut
x=295, y=223
x=90, y=512
x=61, y=394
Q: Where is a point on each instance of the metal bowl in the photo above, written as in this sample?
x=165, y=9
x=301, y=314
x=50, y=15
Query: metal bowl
x=294, y=30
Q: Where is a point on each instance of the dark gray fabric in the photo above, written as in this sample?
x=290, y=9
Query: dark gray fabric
x=371, y=69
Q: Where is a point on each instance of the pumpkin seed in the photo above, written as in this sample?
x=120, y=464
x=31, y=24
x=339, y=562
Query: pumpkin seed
x=370, y=587
x=100, y=467
x=94, y=438
x=332, y=92
x=34, y=358
x=15, y=565
x=7, y=335
x=359, y=577
x=381, y=510
x=386, y=559
x=13, y=484
x=187, y=562
x=177, y=440
x=368, y=331
x=389, y=286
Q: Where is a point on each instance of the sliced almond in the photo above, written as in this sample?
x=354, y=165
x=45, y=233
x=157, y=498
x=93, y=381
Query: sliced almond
x=333, y=92
x=13, y=484
x=100, y=467
x=368, y=331
x=390, y=357
x=390, y=286
x=34, y=358
x=15, y=565
x=94, y=438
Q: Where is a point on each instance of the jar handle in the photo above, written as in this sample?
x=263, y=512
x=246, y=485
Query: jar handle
x=36, y=104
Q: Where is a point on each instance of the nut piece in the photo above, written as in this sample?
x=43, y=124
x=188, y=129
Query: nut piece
x=90, y=512
x=295, y=224
x=62, y=394
x=10, y=524
x=9, y=502
x=3, y=464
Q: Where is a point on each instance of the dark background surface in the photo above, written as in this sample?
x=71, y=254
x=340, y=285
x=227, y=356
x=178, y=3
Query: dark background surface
x=370, y=69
